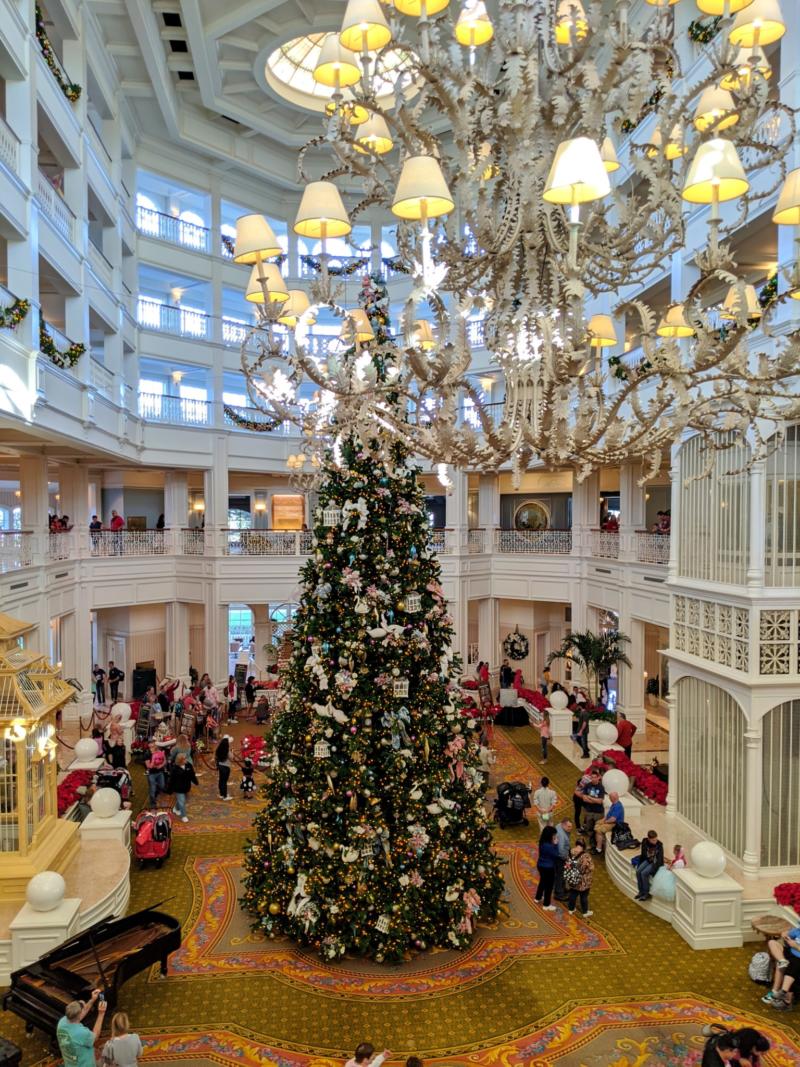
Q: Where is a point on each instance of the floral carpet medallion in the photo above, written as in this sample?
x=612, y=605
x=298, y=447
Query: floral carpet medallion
x=218, y=939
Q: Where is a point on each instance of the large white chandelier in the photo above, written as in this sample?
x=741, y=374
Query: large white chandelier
x=497, y=157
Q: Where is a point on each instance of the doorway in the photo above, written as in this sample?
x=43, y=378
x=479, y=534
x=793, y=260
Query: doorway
x=116, y=652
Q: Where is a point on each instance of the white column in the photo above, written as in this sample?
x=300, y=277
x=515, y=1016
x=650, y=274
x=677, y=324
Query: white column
x=216, y=634
x=631, y=681
x=176, y=621
x=216, y=497
x=632, y=508
x=585, y=513
x=489, y=507
x=488, y=626
x=758, y=509
x=456, y=510
x=672, y=796
x=753, y=771
x=262, y=630
x=73, y=485
x=34, y=502
x=176, y=500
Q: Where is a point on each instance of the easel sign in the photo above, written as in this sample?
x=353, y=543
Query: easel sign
x=485, y=695
x=143, y=722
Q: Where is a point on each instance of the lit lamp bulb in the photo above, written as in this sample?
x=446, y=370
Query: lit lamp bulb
x=348, y=108
x=715, y=110
x=655, y=144
x=364, y=27
x=674, y=323
x=759, y=23
x=423, y=335
x=749, y=61
x=601, y=332
x=374, y=136
x=266, y=286
x=336, y=66
x=473, y=26
x=295, y=307
x=662, y=3
x=571, y=24
x=733, y=304
x=608, y=154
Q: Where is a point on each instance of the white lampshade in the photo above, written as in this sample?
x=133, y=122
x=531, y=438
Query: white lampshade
x=254, y=240
x=716, y=164
x=675, y=146
x=674, y=323
x=276, y=287
x=662, y=3
x=787, y=210
x=321, y=213
x=354, y=112
x=473, y=26
x=731, y=308
x=357, y=327
x=295, y=307
x=722, y=7
x=608, y=154
x=715, y=110
x=578, y=174
x=571, y=24
x=655, y=144
x=374, y=136
x=336, y=65
x=758, y=24
x=422, y=191
x=423, y=335
x=414, y=7
x=748, y=61
x=601, y=332
x=364, y=26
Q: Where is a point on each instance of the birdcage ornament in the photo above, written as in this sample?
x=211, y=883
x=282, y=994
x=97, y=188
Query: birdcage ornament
x=322, y=750
x=413, y=603
x=382, y=925
x=366, y=852
x=400, y=688
x=331, y=516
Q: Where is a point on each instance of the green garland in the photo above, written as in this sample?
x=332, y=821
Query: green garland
x=701, y=31
x=68, y=88
x=47, y=346
x=628, y=125
x=344, y=271
x=769, y=291
x=396, y=264
x=259, y=425
x=13, y=315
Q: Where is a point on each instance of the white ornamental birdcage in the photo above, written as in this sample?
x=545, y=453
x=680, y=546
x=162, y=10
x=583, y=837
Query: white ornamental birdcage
x=273, y=696
x=322, y=750
x=413, y=603
x=366, y=852
x=382, y=925
x=400, y=687
x=331, y=516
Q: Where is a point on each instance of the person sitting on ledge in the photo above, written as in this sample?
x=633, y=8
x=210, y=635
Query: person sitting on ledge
x=786, y=952
x=650, y=859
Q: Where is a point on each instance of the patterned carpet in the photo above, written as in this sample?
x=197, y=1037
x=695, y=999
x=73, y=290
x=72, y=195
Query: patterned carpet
x=621, y=990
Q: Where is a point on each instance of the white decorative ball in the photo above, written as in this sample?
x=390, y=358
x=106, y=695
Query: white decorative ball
x=123, y=710
x=558, y=700
x=45, y=891
x=85, y=749
x=105, y=803
x=606, y=733
x=615, y=781
x=708, y=859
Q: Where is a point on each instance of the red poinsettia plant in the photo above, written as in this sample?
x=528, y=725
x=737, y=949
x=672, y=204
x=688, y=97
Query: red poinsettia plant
x=644, y=780
x=469, y=684
x=788, y=894
x=253, y=747
x=67, y=791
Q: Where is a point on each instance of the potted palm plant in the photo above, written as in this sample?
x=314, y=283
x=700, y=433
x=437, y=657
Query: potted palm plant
x=594, y=655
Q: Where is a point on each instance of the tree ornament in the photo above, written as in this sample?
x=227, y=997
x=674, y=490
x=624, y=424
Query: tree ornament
x=274, y=908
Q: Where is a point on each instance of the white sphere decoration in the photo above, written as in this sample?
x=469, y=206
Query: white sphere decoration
x=606, y=733
x=123, y=710
x=45, y=891
x=615, y=781
x=85, y=749
x=558, y=700
x=105, y=803
x=708, y=859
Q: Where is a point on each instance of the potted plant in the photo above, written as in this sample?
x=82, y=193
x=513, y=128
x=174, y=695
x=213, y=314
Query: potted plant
x=652, y=691
x=593, y=654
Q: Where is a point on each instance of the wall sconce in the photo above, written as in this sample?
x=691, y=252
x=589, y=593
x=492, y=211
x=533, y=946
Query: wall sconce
x=177, y=376
x=18, y=494
x=199, y=505
x=260, y=504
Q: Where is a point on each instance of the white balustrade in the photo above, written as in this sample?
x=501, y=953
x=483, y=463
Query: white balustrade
x=166, y=318
x=176, y=410
x=60, y=545
x=476, y=334
x=9, y=147
x=16, y=549
x=267, y=543
x=605, y=544
x=101, y=379
x=534, y=542
x=127, y=542
x=193, y=542
x=652, y=547
x=53, y=205
x=476, y=542
x=172, y=229
x=442, y=541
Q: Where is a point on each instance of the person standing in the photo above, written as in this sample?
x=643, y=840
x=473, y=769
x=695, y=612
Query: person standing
x=593, y=793
x=625, y=732
x=544, y=733
x=155, y=767
x=651, y=858
x=363, y=1056
x=182, y=779
x=115, y=676
x=76, y=1041
x=116, y=525
x=250, y=693
x=583, y=731
x=544, y=801
x=231, y=697
x=546, y=865
x=222, y=758
x=182, y=747
x=123, y=1048
x=483, y=673
x=506, y=675
x=582, y=878
x=99, y=676
x=563, y=843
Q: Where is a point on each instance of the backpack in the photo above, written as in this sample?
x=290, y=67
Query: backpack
x=572, y=873
x=760, y=967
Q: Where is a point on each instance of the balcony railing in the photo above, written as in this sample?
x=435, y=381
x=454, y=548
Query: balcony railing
x=60, y=545
x=53, y=205
x=172, y=229
x=476, y=541
x=59, y=338
x=128, y=542
x=442, y=541
x=16, y=549
x=268, y=543
x=100, y=378
x=652, y=547
x=9, y=147
x=533, y=542
x=177, y=410
x=167, y=318
x=476, y=334
x=605, y=544
x=193, y=542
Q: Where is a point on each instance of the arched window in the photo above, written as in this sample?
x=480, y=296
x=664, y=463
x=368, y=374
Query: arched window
x=192, y=231
x=146, y=215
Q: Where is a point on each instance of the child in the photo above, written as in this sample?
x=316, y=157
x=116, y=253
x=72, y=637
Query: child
x=248, y=784
x=663, y=884
x=544, y=733
x=363, y=1056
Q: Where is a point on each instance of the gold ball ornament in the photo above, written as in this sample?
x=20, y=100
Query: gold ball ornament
x=274, y=908
x=401, y=605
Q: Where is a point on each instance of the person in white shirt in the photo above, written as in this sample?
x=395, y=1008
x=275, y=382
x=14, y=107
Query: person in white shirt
x=364, y=1056
x=544, y=801
x=123, y=1048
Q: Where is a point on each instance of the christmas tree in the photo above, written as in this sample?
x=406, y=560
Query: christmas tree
x=374, y=838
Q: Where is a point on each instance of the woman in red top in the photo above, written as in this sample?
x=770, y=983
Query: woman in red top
x=483, y=673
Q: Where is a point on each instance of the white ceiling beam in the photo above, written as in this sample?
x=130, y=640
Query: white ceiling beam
x=240, y=16
x=120, y=48
x=246, y=44
x=240, y=87
x=204, y=52
x=235, y=64
x=140, y=89
x=146, y=28
x=180, y=61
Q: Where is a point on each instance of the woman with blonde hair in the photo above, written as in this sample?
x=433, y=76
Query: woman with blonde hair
x=123, y=1048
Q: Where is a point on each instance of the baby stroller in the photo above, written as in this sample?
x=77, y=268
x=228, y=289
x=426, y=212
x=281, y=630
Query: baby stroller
x=117, y=778
x=513, y=798
x=152, y=837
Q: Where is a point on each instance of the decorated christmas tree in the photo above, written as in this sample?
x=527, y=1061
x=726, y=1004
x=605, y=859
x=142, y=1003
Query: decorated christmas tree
x=373, y=838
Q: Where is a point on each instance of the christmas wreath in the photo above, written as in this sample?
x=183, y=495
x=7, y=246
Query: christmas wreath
x=516, y=646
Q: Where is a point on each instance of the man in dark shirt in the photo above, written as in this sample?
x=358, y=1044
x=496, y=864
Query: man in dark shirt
x=592, y=798
x=99, y=684
x=115, y=676
x=506, y=675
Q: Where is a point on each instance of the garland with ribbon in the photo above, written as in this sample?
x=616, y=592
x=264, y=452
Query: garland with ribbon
x=345, y=270
x=260, y=425
x=68, y=88
x=768, y=291
x=701, y=31
x=13, y=315
x=396, y=264
x=47, y=346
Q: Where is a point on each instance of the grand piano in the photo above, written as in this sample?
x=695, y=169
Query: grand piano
x=101, y=957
